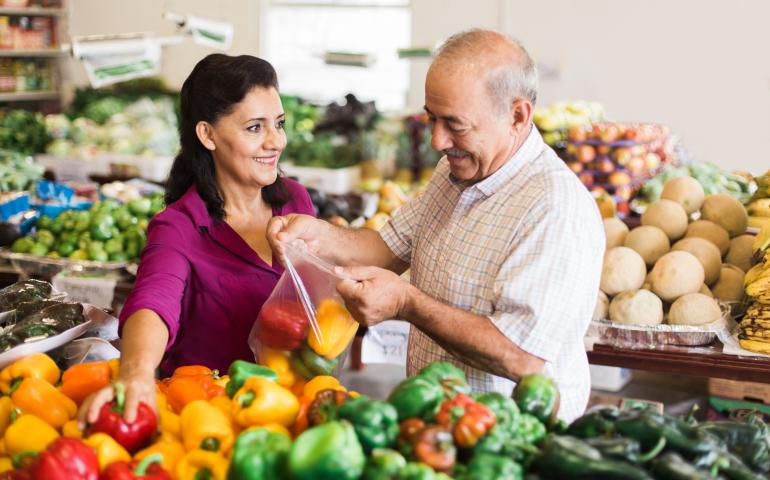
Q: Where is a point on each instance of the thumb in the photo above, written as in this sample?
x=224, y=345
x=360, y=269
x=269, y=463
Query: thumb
x=357, y=273
x=349, y=289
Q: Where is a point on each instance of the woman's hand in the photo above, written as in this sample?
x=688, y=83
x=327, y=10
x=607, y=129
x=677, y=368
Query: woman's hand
x=139, y=388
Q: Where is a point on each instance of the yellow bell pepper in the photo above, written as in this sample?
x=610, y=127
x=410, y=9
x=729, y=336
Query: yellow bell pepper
x=38, y=365
x=322, y=382
x=5, y=464
x=201, y=464
x=337, y=328
x=2, y=446
x=107, y=449
x=6, y=408
x=170, y=424
x=224, y=404
x=71, y=429
x=278, y=360
x=28, y=433
x=170, y=448
x=272, y=427
x=261, y=401
x=205, y=427
x=160, y=401
x=42, y=399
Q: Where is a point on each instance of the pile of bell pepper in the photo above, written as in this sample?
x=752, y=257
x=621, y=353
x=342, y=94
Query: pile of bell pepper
x=299, y=348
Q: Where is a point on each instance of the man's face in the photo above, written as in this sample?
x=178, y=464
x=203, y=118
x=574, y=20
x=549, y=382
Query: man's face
x=466, y=127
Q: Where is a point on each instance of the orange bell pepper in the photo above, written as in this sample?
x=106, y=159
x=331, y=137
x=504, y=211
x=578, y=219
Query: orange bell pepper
x=38, y=365
x=172, y=450
x=80, y=381
x=301, y=423
x=336, y=326
x=204, y=375
x=322, y=382
x=182, y=390
x=42, y=399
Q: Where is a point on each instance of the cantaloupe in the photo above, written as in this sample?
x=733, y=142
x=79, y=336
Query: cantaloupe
x=623, y=269
x=740, y=252
x=649, y=242
x=729, y=287
x=707, y=254
x=727, y=212
x=686, y=191
x=675, y=274
x=667, y=215
x=694, y=309
x=711, y=232
x=640, y=307
x=615, y=232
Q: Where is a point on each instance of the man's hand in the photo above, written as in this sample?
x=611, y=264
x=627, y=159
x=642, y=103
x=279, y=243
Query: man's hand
x=292, y=227
x=374, y=294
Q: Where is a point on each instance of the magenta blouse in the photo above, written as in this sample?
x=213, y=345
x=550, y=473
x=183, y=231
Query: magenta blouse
x=205, y=282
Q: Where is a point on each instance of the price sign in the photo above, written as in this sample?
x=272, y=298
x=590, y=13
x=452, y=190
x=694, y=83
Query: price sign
x=386, y=343
x=97, y=291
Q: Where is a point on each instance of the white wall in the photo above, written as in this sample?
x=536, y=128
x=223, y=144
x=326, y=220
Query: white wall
x=701, y=67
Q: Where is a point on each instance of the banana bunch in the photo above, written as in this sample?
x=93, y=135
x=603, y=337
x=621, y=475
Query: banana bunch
x=755, y=326
x=759, y=205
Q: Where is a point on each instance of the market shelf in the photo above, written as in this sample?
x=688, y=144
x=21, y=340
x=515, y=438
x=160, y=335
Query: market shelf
x=28, y=96
x=33, y=11
x=46, y=52
x=696, y=361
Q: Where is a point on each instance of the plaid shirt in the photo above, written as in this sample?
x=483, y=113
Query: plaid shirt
x=523, y=247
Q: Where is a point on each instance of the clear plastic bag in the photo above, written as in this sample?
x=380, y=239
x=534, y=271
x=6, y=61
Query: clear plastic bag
x=303, y=329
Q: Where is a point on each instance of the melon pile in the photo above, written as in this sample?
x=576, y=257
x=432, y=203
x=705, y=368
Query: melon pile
x=672, y=269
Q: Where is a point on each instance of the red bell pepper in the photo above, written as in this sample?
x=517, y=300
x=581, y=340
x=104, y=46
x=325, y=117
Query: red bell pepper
x=132, y=436
x=282, y=324
x=468, y=419
x=67, y=459
x=148, y=469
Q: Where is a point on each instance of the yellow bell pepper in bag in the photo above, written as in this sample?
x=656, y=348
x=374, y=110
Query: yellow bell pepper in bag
x=337, y=328
x=38, y=365
x=40, y=398
x=28, y=433
x=262, y=401
x=171, y=449
x=205, y=427
x=278, y=360
x=201, y=464
x=107, y=449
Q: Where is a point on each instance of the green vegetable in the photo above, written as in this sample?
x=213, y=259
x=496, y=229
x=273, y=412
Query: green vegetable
x=259, y=455
x=538, y=395
x=485, y=466
x=416, y=397
x=309, y=364
x=505, y=409
x=375, y=421
x=594, y=424
x=671, y=466
x=566, y=457
x=383, y=464
x=648, y=427
x=327, y=451
x=749, y=440
x=625, y=449
x=241, y=370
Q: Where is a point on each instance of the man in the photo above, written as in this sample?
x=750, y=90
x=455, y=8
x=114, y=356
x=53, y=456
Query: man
x=505, y=244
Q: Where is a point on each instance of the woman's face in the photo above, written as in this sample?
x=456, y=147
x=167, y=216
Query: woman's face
x=249, y=140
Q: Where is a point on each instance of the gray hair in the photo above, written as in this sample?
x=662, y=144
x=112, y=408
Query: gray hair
x=512, y=79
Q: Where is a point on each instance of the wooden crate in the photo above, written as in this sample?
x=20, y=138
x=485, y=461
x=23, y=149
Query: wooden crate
x=752, y=391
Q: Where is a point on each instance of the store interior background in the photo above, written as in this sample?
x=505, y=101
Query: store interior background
x=699, y=67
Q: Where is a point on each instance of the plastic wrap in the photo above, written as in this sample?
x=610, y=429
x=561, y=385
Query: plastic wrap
x=304, y=320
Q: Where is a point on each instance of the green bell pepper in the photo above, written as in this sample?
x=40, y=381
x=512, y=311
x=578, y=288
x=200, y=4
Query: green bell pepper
x=241, y=370
x=451, y=378
x=375, y=421
x=597, y=423
x=327, y=451
x=419, y=471
x=502, y=441
x=484, y=466
x=309, y=364
x=671, y=466
x=259, y=454
x=565, y=457
x=416, y=397
x=383, y=464
x=530, y=429
x=505, y=409
x=538, y=395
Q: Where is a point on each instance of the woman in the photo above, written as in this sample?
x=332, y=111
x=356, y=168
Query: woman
x=207, y=267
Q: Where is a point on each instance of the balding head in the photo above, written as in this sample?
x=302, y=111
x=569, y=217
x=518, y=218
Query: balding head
x=503, y=61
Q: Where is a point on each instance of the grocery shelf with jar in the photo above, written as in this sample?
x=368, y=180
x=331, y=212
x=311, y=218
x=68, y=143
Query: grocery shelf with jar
x=30, y=35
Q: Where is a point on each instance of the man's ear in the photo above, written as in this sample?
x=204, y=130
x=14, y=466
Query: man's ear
x=521, y=115
x=205, y=134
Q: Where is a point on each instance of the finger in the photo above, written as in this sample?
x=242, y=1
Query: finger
x=132, y=402
x=358, y=273
x=99, y=399
x=349, y=289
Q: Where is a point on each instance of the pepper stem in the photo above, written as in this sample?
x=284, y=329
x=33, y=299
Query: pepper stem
x=141, y=468
x=19, y=459
x=210, y=443
x=15, y=384
x=120, y=397
x=247, y=399
x=654, y=451
x=203, y=474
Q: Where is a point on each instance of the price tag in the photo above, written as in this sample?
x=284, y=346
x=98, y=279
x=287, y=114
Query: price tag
x=386, y=343
x=97, y=291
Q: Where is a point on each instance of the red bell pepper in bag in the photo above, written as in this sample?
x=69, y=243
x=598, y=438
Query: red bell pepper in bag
x=66, y=459
x=282, y=324
x=132, y=436
x=148, y=469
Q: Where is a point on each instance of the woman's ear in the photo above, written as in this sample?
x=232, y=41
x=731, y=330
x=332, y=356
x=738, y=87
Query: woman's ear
x=205, y=135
